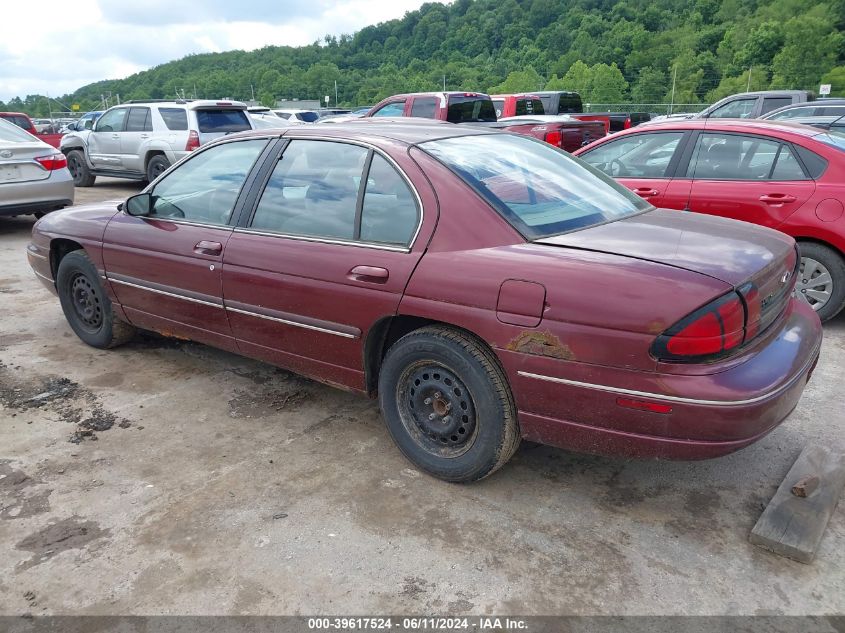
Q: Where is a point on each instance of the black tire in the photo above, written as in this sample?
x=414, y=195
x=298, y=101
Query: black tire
x=82, y=176
x=157, y=165
x=437, y=371
x=87, y=308
x=835, y=265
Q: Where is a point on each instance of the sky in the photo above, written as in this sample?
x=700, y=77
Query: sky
x=68, y=45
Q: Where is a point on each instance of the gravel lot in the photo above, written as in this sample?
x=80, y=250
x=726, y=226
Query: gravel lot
x=224, y=485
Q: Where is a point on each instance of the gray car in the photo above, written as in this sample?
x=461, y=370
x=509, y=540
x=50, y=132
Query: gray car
x=34, y=177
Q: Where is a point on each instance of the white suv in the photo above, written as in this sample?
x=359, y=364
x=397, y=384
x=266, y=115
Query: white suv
x=139, y=140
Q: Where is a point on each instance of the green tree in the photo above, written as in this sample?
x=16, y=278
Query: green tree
x=519, y=81
x=836, y=78
x=812, y=47
x=607, y=85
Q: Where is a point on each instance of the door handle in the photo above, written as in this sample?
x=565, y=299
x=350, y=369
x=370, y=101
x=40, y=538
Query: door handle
x=145, y=136
x=369, y=273
x=115, y=136
x=645, y=192
x=777, y=198
x=208, y=248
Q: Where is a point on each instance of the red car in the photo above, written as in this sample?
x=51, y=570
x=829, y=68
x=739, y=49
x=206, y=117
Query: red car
x=486, y=286
x=779, y=175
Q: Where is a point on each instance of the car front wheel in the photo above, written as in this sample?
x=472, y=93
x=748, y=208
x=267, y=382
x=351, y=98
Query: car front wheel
x=82, y=176
x=87, y=308
x=821, y=279
x=447, y=404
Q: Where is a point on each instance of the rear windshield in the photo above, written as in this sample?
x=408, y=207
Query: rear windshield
x=464, y=109
x=12, y=133
x=529, y=106
x=570, y=103
x=308, y=117
x=222, y=121
x=21, y=122
x=539, y=190
x=174, y=118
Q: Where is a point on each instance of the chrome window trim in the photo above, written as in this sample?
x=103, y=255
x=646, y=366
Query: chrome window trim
x=293, y=323
x=165, y=293
x=325, y=240
x=679, y=399
x=186, y=222
x=390, y=160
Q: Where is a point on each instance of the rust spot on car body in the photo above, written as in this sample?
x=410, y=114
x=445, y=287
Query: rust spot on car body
x=541, y=344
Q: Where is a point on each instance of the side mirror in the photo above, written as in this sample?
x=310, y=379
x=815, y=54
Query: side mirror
x=139, y=205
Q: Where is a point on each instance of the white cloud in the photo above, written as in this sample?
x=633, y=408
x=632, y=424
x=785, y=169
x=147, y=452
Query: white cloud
x=110, y=39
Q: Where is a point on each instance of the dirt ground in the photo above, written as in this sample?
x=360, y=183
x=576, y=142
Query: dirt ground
x=167, y=477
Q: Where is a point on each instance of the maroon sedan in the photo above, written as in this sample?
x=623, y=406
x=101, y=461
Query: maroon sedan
x=487, y=286
x=780, y=175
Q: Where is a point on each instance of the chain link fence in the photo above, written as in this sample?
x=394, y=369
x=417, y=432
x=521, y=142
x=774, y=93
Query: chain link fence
x=653, y=108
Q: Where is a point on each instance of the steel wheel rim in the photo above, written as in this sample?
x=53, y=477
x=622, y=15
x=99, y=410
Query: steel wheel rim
x=437, y=409
x=73, y=167
x=86, y=303
x=815, y=283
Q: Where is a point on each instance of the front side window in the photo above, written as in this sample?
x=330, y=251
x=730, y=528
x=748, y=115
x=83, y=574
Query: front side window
x=539, y=190
x=112, y=121
x=391, y=109
x=739, y=109
x=204, y=189
x=424, y=107
x=738, y=157
x=636, y=156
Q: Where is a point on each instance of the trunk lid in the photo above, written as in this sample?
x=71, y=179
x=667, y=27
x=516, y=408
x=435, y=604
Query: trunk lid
x=728, y=250
x=17, y=162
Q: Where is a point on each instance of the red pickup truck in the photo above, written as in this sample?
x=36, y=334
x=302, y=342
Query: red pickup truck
x=478, y=109
x=23, y=121
x=517, y=105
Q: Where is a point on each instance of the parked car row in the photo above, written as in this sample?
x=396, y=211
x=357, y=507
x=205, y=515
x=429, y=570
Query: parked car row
x=484, y=286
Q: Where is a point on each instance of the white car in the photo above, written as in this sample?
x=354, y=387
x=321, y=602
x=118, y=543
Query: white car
x=141, y=139
x=298, y=117
x=34, y=177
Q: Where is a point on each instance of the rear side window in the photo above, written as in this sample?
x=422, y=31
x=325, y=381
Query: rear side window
x=814, y=163
x=389, y=214
x=739, y=157
x=20, y=121
x=831, y=111
x=174, y=118
x=636, y=156
x=773, y=103
x=793, y=113
x=464, y=109
x=787, y=166
x=529, y=106
x=139, y=120
x=424, y=107
x=222, y=121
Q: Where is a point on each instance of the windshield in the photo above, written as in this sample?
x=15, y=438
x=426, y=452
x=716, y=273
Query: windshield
x=308, y=117
x=539, y=190
x=463, y=109
x=832, y=138
x=11, y=133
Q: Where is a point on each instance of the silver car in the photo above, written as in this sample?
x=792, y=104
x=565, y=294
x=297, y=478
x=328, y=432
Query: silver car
x=34, y=177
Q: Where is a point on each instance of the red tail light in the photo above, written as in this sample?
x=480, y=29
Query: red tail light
x=707, y=334
x=193, y=141
x=554, y=138
x=52, y=162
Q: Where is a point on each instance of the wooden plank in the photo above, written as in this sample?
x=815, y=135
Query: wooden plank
x=791, y=525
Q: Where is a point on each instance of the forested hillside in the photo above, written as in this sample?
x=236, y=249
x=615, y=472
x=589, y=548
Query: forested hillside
x=610, y=51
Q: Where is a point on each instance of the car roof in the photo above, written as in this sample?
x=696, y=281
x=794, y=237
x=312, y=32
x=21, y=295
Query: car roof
x=404, y=130
x=727, y=125
x=818, y=103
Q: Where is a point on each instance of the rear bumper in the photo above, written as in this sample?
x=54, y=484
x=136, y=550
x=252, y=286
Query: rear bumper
x=568, y=405
x=19, y=198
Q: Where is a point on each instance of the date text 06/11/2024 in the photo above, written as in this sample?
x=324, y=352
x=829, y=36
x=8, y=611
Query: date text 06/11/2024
x=417, y=623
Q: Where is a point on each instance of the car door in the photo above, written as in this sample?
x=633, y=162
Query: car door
x=752, y=178
x=104, y=139
x=139, y=126
x=326, y=253
x=165, y=268
x=644, y=163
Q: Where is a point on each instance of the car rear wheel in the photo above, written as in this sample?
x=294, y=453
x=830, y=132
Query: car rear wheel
x=447, y=404
x=82, y=176
x=821, y=279
x=158, y=164
x=87, y=308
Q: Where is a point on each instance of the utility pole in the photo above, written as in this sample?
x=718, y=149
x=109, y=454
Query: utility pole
x=748, y=87
x=444, y=83
x=252, y=90
x=674, y=76
x=335, y=93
